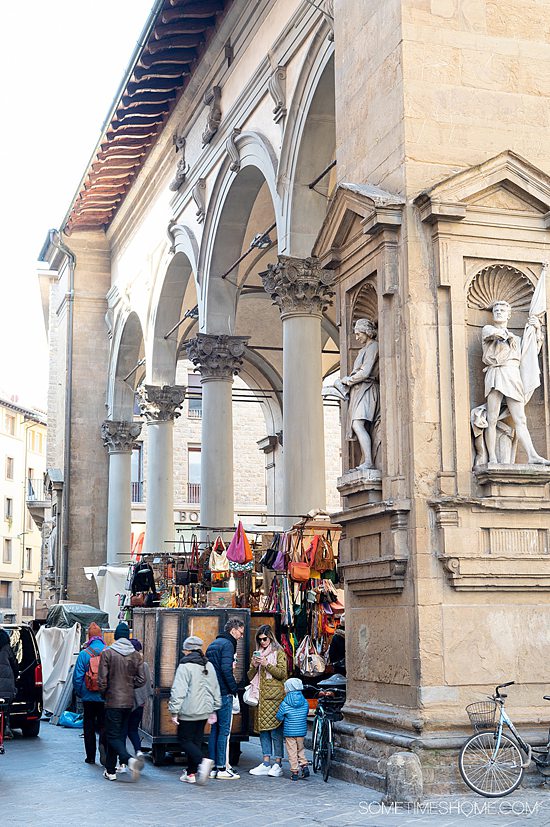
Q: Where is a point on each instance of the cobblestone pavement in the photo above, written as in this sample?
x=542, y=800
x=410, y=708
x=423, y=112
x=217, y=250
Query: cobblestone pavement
x=45, y=781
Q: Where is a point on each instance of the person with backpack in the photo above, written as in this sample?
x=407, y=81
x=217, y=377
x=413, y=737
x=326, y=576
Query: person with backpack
x=120, y=673
x=86, y=686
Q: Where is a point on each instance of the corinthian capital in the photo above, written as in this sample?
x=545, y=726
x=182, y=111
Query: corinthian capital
x=217, y=356
x=119, y=437
x=299, y=285
x=160, y=404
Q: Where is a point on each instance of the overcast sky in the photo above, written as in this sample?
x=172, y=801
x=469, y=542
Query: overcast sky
x=62, y=63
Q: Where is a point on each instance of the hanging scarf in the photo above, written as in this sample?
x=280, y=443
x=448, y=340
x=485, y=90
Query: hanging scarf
x=270, y=654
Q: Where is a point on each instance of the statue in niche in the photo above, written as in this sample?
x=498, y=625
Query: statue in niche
x=512, y=374
x=362, y=392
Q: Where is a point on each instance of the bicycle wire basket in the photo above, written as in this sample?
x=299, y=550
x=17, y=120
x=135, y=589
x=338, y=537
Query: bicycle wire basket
x=482, y=714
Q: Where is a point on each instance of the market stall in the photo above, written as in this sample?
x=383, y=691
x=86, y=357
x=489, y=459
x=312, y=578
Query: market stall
x=292, y=575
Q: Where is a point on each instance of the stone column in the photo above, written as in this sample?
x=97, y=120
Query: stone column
x=302, y=290
x=119, y=438
x=218, y=358
x=160, y=406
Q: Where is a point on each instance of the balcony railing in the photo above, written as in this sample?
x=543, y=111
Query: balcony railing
x=193, y=493
x=137, y=492
x=36, y=491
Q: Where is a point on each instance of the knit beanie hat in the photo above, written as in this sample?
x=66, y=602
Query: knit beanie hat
x=192, y=644
x=294, y=685
x=94, y=630
x=122, y=630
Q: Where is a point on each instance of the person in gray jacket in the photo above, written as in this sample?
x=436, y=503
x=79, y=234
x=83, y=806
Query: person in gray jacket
x=195, y=696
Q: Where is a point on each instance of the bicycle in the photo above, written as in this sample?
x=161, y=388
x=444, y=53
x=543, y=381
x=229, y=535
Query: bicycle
x=490, y=762
x=329, y=705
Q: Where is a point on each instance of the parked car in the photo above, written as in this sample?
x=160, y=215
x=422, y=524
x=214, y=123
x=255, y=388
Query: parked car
x=26, y=709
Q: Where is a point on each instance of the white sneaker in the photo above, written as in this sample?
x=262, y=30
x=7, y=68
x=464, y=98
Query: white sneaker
x=203, y=772
x=110, y=776
x=213, y=773
x=135, y=765
x=140, y=763
x=261, y=769
x=227, y=775
x=190, y=779
x=275, y=771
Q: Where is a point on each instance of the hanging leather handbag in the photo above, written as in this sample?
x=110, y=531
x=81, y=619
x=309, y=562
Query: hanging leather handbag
x=189, y=571
x=194, y=561
x=239, y=550
x=218, y=557
x=308, y=661
x=298, y=568
x=270, y=555
x=280, y=562
x=324, y=554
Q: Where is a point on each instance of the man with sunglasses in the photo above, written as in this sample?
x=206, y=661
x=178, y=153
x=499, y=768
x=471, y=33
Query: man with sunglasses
x=221, y=654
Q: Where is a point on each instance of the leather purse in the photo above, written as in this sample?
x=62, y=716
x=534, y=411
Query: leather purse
x=299, y=572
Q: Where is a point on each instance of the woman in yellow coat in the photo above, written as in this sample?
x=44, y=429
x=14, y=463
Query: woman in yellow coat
x=267, y=674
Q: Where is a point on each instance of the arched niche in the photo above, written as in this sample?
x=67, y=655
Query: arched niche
x=128, y=350
x=501, y=281
x=362, y=304
x=309, y=146
x=229, y=229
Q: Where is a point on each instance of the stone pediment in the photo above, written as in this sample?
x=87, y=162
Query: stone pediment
x=503, y=197
x=506, y=182
x=356, y=209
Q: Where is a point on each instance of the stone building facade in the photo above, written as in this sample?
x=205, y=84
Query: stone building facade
x=23, y=458
x=272, y=173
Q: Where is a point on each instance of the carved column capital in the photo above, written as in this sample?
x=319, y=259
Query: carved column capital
x=119, y=437
x=217, y=356
x=160, y=404
x=299, y=285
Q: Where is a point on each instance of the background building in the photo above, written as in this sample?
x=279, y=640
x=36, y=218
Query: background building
x=23, y=453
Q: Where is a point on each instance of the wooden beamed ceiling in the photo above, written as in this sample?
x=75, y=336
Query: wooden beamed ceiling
x=168, y=58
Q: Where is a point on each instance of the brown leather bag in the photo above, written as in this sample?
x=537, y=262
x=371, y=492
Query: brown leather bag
x=299, y=571
x=324, y=555
x=299, y=568
x=137, y=600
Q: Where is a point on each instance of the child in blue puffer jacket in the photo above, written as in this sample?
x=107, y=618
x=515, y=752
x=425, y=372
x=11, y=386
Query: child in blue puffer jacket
x=293, y=712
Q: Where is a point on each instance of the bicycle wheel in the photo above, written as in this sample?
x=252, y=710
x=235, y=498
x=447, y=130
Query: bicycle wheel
x=488, y=773
x=316, y=743
x=326, y=748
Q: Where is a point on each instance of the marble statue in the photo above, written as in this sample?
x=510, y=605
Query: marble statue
x=511, y=375
x=362, y=392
